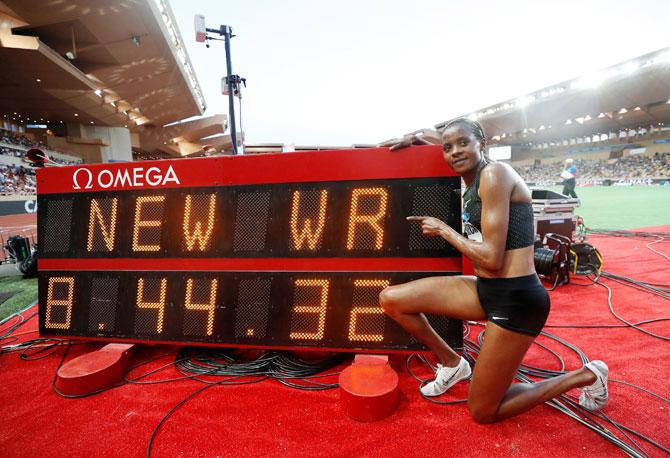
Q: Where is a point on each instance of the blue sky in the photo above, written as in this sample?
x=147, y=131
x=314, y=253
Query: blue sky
x=344, y=72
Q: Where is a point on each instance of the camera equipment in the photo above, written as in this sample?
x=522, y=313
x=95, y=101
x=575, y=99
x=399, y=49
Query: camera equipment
x=585, y=259
x=37, y=157
x=18, y=248
x=551, y=259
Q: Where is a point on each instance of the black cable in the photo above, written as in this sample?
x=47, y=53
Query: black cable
x=605, y=326
x=623, y=431
x=641, y=389
x=167, y=415
x=22, y=321
x=573, y=402
x=45, y=349
x=592, y=425
x=15, y=315
x=632, y=325
x=19, y=314
x=135, y=380
x=278, y=365
x=646, y=438
x=578, y=413
x=638, y=284
x=225, y=381
x=42, y=344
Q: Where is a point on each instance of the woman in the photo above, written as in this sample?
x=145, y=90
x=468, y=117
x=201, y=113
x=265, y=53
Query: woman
x=507, y=293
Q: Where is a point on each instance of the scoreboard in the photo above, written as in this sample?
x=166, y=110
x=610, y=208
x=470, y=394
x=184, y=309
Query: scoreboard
x=266, y=251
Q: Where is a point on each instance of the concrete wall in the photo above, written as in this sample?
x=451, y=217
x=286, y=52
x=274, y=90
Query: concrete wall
x=117, y=140
x=95, y=144
x=88, y=152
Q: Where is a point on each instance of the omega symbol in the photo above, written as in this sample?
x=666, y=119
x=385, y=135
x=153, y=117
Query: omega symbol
x=75, y=180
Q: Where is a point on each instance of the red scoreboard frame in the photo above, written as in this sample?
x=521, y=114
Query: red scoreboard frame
x=277, y=251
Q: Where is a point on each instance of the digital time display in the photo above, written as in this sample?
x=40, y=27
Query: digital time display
x=268, y=251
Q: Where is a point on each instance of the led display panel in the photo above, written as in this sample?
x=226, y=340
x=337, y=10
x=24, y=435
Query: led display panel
x=269, y=251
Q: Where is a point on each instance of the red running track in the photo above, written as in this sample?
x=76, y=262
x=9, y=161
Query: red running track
x=271, y=420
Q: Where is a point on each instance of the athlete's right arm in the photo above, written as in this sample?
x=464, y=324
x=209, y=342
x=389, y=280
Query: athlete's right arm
x=410, y=140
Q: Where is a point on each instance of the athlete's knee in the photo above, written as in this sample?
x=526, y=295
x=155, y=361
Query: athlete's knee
x=390, y=300
x=482, y=413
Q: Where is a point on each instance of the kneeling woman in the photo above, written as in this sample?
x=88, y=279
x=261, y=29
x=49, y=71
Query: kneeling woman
x=507, y=293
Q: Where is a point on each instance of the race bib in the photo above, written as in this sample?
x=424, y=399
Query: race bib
x=477, y=236
x=472, y=232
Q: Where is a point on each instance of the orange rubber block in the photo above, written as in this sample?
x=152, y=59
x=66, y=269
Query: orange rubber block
x=369, y=388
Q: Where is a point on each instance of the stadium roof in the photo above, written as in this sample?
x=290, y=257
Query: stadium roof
x=109, y=62
x=631, y=94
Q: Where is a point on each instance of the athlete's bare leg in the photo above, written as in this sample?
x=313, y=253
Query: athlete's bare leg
x=492, y=396
x=455, y=297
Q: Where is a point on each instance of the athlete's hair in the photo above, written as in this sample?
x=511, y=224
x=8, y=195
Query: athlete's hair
x=473, y=127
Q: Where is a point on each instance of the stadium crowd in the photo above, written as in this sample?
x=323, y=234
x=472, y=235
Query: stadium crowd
x=24, y=142
x=16, y=178
x=594, y=171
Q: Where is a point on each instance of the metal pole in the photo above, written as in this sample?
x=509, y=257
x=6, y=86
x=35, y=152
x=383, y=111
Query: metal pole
x=225, y=31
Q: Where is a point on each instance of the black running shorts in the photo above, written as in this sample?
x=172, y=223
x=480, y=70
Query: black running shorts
x=520, y=304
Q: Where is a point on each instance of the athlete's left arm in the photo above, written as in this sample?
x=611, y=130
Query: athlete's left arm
x=495, y=190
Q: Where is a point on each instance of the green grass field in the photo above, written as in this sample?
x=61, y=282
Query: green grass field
x=602, y=207
x=26, y=293
x=623, y=207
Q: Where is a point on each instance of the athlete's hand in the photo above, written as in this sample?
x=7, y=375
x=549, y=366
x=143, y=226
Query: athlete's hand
x=430, y=226
x=406, y=142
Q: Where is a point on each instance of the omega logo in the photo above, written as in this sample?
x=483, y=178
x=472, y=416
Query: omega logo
x=135, y=177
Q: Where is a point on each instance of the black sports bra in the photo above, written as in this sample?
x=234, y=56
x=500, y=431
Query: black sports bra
x=520, y=230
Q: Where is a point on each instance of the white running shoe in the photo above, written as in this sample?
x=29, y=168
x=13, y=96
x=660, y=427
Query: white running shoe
x=595, y=396
x=446, y=377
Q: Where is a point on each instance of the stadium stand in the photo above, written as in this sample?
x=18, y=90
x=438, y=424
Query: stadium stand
x=16, y=177
x=593, y=172
x=16, y=145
